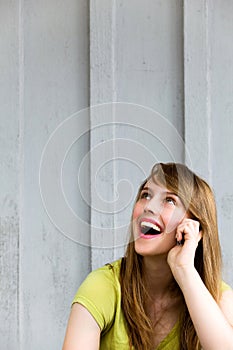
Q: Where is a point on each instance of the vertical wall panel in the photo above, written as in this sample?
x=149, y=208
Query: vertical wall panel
x=9, y=170
x=149, y=75
x=102, y=90
x=221, y=64
x=136, y=58
x=197, y=86
x=208, y=58
x=56, y=85
x=149, y=56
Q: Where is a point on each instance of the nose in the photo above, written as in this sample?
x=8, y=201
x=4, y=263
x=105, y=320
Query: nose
x=153, y=206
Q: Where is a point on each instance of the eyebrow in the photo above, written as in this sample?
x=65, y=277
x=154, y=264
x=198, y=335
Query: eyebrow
x=165, y=192
x=172, y=193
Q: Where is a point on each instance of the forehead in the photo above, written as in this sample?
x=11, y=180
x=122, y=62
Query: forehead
x=154, y=184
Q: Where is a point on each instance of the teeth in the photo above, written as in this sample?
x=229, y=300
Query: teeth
x=149, y=224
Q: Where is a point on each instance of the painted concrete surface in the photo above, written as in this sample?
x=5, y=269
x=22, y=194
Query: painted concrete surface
x=9, y=165
x=44, y=80
x=168, y=65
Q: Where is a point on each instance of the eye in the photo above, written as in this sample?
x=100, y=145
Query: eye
x=170, y=200
x=145, y=195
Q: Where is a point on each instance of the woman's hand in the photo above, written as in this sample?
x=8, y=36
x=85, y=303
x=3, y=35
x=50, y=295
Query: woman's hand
x=207, y=317
x=181, y=257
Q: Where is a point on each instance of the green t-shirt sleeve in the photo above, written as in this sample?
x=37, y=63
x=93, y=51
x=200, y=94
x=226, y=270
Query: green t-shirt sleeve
x=225, y=286
x=98, y=295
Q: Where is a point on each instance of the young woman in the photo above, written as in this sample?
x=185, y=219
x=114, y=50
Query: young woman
x=167, y=292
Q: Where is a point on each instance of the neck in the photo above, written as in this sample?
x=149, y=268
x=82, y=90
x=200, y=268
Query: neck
x=158, y=276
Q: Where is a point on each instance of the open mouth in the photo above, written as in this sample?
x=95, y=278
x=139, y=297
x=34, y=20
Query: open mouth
x=148, y=228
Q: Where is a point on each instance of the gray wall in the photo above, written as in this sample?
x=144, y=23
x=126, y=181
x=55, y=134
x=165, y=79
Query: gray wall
x=44, y=79
x=167, y=66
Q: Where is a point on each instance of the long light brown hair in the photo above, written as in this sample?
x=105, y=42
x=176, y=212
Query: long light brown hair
x=199, y=201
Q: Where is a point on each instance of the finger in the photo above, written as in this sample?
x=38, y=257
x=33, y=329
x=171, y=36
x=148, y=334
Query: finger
x=189, y=224
x=192, y=223
x=188, y=229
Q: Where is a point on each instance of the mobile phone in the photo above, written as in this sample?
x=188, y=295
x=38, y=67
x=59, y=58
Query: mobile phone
x=182, y=240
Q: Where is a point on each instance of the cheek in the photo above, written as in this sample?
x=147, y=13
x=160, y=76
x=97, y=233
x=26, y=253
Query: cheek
x=137, y=210
x=174, y=219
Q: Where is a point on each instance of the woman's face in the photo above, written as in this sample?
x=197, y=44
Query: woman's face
x=156, y=215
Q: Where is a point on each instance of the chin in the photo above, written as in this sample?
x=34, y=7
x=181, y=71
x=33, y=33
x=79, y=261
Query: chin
x=149, y=250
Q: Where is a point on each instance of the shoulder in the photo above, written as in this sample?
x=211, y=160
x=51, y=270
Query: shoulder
x=102, y=278
x=100, y=293
x=226, y=302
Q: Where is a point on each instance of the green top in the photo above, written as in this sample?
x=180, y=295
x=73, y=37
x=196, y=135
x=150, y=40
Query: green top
x=100, y=293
